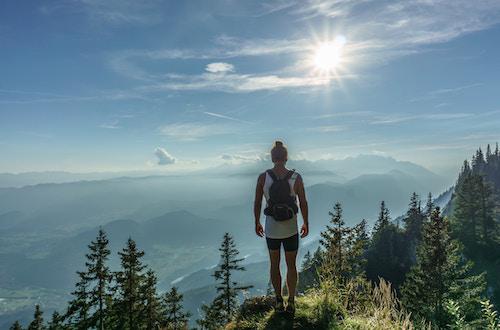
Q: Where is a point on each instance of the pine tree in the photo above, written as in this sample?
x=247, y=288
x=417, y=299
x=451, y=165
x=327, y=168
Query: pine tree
x=383, y=218
x=56, y=322
x=98, y=273
x=429, y=206
x=335, y=241
x=16, y=326
x=37, y=323
x=174, y=318
x=388, y=255
x=357, y=252
x=486, y=211
x=464, y=173
x=478, y=161
x=489, y=155
x=307, y=261
x=227, y=288
x=440, y=275
x=213, y=317
x=224, y=306
x=128, y=281
x=473, y=217
x=79, y=307
x=309, y=276
x=317, y=258
x=150, y=316
x=414, y=219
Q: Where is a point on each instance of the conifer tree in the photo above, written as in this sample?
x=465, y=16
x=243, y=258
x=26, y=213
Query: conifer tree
x=489, y=155
x=224, y=306
x=213, y=317
x=464, y=172
x=37, y=323
x=413, y=219
x=473, y=217
x=79, y=307
x=429, y=206
x=388, y=255
x=228, y=289
x=174, y=318
x=128, y=302
x=383, y=219
x=307, y=261
x=343, y=248
x=150, y=316
x=336, y=241
x=357, y=252
x=56, y=322
x=16, y=326
x=317, y=258
x=100, y=276
x=309, y=276
x=440, y=275
x=486, y=212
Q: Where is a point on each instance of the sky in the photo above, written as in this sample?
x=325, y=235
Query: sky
x=112, y=85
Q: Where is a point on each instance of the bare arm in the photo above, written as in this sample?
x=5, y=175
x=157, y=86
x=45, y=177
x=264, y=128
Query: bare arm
x=257, y=205
x=304, y=209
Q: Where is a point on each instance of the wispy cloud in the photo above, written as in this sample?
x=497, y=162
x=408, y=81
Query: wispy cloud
x=38, y=134
x=454, y=89
x=109, y=12
x=441, y=105
x=239, y=83
x=378, y=31
x=33, y=97
x=344, y=114
x=193, y=131
x=130, y=63
x=434, y=94
x=397, y=118
x=405, y=23
x=432, y=147
x=240, y=158
x=113, y=125
x=327, y=129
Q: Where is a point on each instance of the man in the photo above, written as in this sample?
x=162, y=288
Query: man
x=281, y=187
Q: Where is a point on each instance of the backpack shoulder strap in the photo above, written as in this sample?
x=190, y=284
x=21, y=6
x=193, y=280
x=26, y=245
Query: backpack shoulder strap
x=272, y=175
x=289, y=174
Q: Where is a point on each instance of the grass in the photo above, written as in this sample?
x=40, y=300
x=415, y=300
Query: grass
x=329, y=307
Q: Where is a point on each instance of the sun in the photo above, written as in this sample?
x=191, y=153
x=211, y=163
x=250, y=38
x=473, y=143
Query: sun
x=328, y=55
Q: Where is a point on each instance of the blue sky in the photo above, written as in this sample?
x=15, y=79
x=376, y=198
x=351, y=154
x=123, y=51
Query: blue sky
x=108, y=85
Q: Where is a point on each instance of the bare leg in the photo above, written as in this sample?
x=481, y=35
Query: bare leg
x=274, y=256
x=291, y=273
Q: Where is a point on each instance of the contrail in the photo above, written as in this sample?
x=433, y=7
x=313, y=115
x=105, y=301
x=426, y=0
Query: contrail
x=218, y=115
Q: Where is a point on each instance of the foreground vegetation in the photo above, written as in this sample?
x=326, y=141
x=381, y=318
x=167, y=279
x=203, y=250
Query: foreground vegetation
x=328, y=307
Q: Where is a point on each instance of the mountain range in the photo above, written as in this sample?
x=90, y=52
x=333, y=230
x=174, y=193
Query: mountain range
x=178, y=220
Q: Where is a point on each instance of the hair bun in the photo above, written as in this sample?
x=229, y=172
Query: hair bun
x=278, y=144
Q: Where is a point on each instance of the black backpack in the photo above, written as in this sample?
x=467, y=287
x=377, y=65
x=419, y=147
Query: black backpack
x=281, y=205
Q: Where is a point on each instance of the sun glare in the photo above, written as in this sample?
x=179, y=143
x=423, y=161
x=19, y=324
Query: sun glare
x=328, y=55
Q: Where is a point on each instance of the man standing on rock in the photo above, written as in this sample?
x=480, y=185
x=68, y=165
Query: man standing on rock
x=281, y=187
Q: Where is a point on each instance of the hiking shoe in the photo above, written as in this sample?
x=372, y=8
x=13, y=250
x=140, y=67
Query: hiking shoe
x=290, y=306
x=279, y=306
